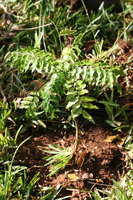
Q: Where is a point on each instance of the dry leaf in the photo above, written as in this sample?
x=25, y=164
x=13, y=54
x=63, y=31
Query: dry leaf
x=18, y=100
x=39, y=84
x=121, y=142
x=2, y=9
x=99, y=181
x=32, y=197
x=128, y=105
x=73, y=177
x=69, y=41
x=3, y=131
x=39, y=75
x=112, y=138
x=89, y=45
x=81, y=159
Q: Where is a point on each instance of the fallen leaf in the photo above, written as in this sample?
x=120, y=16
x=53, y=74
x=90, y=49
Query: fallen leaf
x=121, y=142
x=99, y=181
x=73, y=177
x=32, y=197
x=18, y=100
x=89, y=45
x=39, y=84
x=112, y=138
x=128, y=105
x=81, y=159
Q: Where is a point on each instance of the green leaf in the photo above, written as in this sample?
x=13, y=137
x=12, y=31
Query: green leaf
x=76, y=108
x=87, y=116
x=98, y=72
x=80, y=83
x=110, y=123
x=84, y=72
x=67, y=32
x=71, y=91
x=120, y=127
x=76, y=112
x=79, y=71
x=113, y=104
x=90, y=61
x=91, y=77
x=72, y=102
x=41, y=123
x=71, y=94
x=84, y=91
x=77, y=105
x=89, y=106
x=87, y=99
x=111, y=81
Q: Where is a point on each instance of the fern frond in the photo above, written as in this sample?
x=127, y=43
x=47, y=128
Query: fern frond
x=31, y=59
x=65, y=77
x=52, y=92
x=99, y=74
x=30, y=103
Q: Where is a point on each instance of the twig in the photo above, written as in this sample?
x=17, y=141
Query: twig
x=17, y=79
x=3, y=95
x=28, y=29
x=90, y=182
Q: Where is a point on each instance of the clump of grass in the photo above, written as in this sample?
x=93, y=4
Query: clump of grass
x=59, y=157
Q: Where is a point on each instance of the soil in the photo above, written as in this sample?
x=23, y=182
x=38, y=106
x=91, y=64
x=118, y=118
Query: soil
x=96, y=162
x=101, y=161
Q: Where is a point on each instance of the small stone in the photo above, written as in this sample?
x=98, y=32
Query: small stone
x=87, y=176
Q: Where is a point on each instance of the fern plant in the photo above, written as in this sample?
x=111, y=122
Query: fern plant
x=66, y=78
x=68, y=82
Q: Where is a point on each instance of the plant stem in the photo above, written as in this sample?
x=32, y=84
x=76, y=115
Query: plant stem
x=76, y=135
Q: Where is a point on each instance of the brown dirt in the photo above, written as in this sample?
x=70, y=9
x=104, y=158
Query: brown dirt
x=101, y=161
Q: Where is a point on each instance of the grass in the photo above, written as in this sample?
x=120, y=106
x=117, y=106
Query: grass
x=65, y=76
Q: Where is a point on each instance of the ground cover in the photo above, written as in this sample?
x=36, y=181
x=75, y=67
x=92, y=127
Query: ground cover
x=66, y=79
x=99, y=166
x=97, y=161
